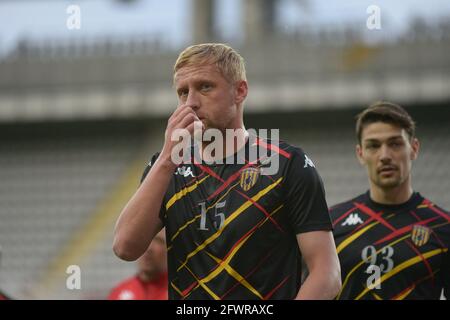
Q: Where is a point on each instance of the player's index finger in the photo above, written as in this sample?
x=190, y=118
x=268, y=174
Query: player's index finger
x=184, y=111
x=174, y=113
x=179, y=109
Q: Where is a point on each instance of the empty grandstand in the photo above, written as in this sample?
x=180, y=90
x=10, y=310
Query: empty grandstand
x=79, y=121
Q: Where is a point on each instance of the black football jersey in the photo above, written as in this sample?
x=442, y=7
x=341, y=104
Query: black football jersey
x=231, y=229
x=392, y=251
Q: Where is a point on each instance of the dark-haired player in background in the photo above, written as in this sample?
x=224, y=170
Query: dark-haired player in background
x=232, y=232
x=391, y=241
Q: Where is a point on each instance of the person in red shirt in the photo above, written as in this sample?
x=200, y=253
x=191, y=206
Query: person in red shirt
x=150, y=282
x=3, y=296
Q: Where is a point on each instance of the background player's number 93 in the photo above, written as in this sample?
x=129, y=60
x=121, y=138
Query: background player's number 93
x=369, y=255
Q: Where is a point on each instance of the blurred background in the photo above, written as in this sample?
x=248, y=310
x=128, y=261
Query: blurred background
x=85, y=91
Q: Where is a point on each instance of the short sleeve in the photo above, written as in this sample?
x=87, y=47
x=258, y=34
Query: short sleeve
x=149, y=166
x=162, y=211
x=305, y=201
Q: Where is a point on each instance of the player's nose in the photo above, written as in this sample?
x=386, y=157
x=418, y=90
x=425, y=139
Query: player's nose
x=193, y=100
x=385, y=154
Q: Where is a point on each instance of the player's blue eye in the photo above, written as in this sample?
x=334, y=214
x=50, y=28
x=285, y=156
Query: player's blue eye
x=206, y=86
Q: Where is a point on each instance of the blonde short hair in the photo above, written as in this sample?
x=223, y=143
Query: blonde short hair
x=228, y=61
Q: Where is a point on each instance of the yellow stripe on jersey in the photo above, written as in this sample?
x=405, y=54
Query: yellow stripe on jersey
x=180, y=194
x=347, y=278
x=204, y=286
x=406, y=293
x=225, y=265
x=377, y=297
x=228, y=220
x=199, y=215
x=353, y=237
x=402, y=266
x=187, y=224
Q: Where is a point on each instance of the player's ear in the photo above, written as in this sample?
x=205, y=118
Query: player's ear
x=415, y=146
x=358, y=151
x=241, y=91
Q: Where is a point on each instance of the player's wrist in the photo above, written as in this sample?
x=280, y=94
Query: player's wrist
x=165, y=163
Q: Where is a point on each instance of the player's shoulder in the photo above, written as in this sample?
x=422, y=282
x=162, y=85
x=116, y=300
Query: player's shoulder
x=340, y=208
x=290, y=149
x=429, y=205
x=295, y=154
x=298, y=164
x=426, y=200
x=278, y=147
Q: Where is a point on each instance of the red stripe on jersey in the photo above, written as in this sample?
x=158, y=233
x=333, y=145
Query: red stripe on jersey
x=272, y=147
x=436, y=210
x=189, y=289
x=270, y=294
x=378, y=217
x=232, y=178
x=374, y=215
x=432, y=231
x=258, y=265
x=209, y=171
x=411, y=287
x=404, y=230
x=256, y=204
x=246, y=235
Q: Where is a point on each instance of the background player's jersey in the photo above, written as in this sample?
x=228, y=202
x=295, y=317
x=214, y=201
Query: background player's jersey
x=4, y=296
x=392, y=251
x=231, y=230
x=134, y=288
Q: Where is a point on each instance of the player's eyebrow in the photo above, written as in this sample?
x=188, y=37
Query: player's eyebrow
x=196, y=81
x=379, y=140
x=395, y=138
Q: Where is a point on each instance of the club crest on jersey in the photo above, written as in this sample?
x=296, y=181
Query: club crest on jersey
x=420, y=235
x=249, y=177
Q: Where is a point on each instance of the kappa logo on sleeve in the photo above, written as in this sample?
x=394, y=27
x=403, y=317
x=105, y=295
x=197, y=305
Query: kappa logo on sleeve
x=308, y=162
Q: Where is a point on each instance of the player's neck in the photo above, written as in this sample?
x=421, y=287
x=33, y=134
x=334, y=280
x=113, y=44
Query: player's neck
x=392, y=196
x=145, y=276
x=229, y=148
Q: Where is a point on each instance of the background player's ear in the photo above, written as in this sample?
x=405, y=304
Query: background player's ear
x=358, y=151
x=415, y=147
